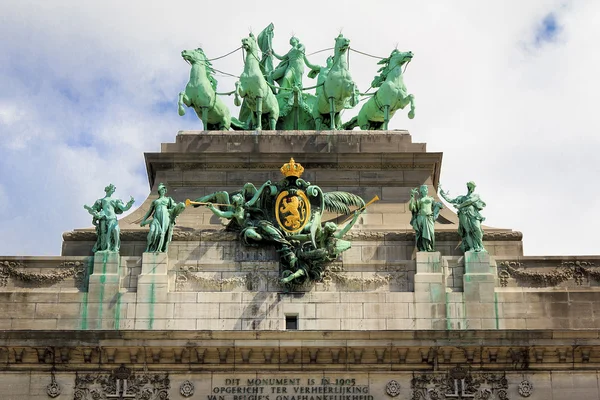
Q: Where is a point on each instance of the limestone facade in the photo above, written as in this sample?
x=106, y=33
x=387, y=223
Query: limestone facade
x=385, y=321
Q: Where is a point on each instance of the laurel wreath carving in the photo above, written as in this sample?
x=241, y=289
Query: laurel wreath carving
x=577, y=270
x=65, y=270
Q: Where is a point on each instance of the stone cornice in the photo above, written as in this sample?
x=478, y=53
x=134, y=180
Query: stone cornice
x=212, y=235
x=314, y=350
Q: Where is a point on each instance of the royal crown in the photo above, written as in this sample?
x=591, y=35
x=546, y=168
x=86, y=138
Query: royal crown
x=292, y=169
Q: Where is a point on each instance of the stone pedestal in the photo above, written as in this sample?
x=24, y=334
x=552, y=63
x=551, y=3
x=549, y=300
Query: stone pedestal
x=430, y=290
x=151, y=309
x=479, y=280
x=102, y=308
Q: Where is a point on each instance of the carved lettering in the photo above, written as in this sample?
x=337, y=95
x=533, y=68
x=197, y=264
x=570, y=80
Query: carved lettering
x=289, y=388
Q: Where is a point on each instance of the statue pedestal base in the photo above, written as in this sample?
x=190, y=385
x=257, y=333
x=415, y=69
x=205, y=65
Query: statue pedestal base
x=151, y=309
x=430, y=290
x=479, y=282
x=102, y=311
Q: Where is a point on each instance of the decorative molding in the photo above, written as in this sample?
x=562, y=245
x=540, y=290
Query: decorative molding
x=186, y=389
x=122, y=383
x=525, y=388
x=567, y=270
x=336, y=274
x=253, y=279
x=65, y=270
x=392, y=388
x=213, y=235
x=459, y=383
x=53, y=389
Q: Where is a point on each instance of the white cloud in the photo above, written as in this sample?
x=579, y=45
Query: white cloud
x=81, y=82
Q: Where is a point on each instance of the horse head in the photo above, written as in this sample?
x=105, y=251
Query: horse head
x=342, y=45
x=194, y=56
x=398, y=58
x=250, y=45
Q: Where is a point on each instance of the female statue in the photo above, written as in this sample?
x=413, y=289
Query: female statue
x=425, y=210
x=164, y=211
x=104, y=213
x=469, y=218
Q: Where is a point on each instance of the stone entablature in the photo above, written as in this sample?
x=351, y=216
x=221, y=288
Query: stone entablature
x=430, y=293
x=377, y=365
x=528, y=350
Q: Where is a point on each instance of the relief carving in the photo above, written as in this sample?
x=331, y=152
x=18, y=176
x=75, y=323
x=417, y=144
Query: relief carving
x=566, y=270
x=459, y=383
x=121, y=384
x=68, y=269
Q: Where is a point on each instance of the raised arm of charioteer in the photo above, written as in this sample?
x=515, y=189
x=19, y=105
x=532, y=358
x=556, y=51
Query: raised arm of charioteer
x=313, y=67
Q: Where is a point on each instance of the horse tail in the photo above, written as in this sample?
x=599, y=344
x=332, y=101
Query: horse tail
x=348, y=126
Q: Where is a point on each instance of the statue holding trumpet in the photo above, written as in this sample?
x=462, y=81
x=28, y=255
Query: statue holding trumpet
x=288, y=215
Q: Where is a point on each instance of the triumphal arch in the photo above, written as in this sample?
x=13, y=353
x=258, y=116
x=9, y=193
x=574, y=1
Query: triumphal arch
x=286, y=254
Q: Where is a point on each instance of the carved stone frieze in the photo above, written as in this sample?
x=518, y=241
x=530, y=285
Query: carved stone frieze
x=122, y=383
x=191, y=278
x=186, y=389
x=53, y=389
x=565, y=271
x=459, y=383
x=18, y=271
x=392, y=388
x=525, y=388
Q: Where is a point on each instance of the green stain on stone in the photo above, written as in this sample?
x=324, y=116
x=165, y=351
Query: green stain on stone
x=435, y=293
x=101, y=294
x=448, y=315
x=118, y=311
x=496, y=310
x=84, y=311
x=151, y=308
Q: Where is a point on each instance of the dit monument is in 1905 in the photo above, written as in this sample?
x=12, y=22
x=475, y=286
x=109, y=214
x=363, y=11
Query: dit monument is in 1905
x=286, y=254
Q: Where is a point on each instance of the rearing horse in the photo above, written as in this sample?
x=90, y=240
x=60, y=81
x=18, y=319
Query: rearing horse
x=339, y=90
x=391, y=96
x=200, y=93
x=253, y=88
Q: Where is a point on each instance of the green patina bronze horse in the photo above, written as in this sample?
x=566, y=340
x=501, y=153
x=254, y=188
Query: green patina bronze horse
x=390, y=97
x=200, y=93
x=253, y=88
x=338, y=91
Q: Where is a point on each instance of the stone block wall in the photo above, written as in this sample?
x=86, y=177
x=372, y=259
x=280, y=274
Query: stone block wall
x=235, y=288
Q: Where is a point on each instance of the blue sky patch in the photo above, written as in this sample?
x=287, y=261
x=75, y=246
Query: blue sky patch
x=548, y=30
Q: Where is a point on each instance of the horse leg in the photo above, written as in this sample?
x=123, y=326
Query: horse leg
x=205, y=117
x=237, y=93
x=259, y=113
x=332, y=113
x=183, y=99
x=318, y=123
x=386, y=116
x=411, y=113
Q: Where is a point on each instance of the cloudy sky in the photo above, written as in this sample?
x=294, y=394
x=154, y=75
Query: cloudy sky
x=508, y=90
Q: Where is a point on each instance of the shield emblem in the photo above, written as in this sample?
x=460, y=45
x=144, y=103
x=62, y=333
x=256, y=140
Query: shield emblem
x=292, y=211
